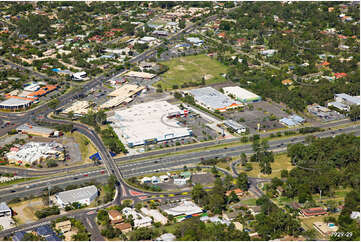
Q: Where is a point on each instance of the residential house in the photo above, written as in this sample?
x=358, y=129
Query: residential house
x=313, y=211
x=124, y=227
x=237, y=191
x=64, y=226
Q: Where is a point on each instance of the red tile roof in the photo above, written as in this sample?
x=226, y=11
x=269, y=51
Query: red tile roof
x=340, y=75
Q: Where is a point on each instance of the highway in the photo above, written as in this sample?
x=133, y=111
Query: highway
x=155, y=165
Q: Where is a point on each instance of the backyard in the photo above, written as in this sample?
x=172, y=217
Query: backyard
x=185, y=70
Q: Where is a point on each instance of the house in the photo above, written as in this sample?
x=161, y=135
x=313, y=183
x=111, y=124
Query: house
x=255, y=210
x=313, y=212
x=238, y=226
x=355, y=215
x=164, y=178
x=268, y=53
x=230, y=215
x=146, y=180
x=115, y=215
x=287, y=82
x=44, y=231
x=237, y=191
x=18, y=236
x=138, y=219
x=325, y=229
x=347, y=99
x=64, y=226
x=5, y=211
x=339, y=106
x=155, y=180
x=340, y=75
x=124, y=227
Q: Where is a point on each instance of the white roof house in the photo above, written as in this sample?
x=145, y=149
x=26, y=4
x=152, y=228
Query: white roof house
x=241, y=94
x=355, y=215
x=347, y=99
x=84, y=195
x=157, y=216
x=138, y=219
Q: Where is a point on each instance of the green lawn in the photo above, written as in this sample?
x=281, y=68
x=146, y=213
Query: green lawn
x=250, y=202
x=282, y=161
x=192, y=69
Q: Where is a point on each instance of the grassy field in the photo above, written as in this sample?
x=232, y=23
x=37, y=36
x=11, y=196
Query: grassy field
x=192, y=69
x=282, y=161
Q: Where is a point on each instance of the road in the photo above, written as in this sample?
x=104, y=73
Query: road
x=156, y=165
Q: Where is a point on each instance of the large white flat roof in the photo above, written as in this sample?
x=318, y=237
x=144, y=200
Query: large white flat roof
x=212, y=98
x=144, y=75
x=77, y=194
x=147, y=121
x=14, y=102
x=240, y=93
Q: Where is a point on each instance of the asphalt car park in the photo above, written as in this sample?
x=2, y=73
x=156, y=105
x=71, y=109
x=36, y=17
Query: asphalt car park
x=264, y=113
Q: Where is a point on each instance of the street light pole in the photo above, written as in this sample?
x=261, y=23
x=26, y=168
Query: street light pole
x=49, y=187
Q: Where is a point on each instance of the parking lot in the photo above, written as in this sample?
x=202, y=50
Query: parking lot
x=264, y=113
x=201, y=131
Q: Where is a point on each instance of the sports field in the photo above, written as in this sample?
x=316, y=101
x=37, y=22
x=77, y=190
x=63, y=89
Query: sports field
x=189, y=69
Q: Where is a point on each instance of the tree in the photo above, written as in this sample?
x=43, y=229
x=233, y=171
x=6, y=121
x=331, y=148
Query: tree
x=182, y=24
x=199, y=195
x=244, y=159
x=242, y=181
x=354, y=113
x=143, y=234
x=53, y=103
x=103, y=217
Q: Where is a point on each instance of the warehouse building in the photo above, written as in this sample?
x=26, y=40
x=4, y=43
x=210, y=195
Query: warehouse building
x=212, y=99
x=242, y=94
x=235, y=127
x=84, y=195
x=148, y=123
x=35, y=130
x=124, y=94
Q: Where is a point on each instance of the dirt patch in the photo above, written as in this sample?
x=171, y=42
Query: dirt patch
x=180, y=67
x=208, y=77
x=25, y=211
